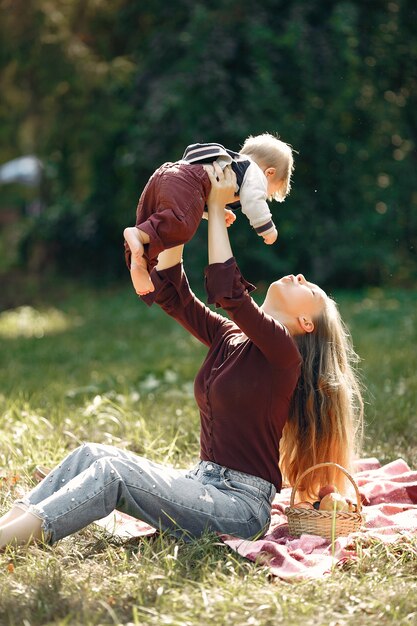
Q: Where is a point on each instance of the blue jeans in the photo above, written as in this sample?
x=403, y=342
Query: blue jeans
x=96, y=479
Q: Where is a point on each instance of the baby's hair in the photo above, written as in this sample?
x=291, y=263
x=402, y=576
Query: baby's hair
x=269, y=151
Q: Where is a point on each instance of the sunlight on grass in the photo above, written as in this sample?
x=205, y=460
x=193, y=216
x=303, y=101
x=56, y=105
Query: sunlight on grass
x=25, y=321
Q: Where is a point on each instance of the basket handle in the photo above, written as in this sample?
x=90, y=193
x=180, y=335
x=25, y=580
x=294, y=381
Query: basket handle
x=311, y=469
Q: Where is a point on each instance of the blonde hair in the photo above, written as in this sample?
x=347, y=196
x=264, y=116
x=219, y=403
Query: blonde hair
x=269, y=151
x=326, y=413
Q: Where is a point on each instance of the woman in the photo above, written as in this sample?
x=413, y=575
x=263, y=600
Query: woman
x=276, y=376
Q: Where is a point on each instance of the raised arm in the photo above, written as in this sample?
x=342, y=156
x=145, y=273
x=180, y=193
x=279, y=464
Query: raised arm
x=226, y=286
x=219, y=248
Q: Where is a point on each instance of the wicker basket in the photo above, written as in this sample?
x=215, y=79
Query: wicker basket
x=313, y=522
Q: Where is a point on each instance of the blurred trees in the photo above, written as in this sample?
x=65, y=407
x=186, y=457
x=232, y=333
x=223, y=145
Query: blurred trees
x=106, y=90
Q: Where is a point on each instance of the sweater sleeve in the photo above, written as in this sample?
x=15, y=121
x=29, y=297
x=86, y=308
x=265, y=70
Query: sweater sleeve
x=227, y=288
x=253, y=196
x=174, y=296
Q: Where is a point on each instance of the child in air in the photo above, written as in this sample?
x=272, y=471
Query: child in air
x=173, y=202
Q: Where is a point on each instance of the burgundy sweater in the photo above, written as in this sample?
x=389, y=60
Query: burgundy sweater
x=244, y=387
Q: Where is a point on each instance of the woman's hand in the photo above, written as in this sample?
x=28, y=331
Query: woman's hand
x=223, y=187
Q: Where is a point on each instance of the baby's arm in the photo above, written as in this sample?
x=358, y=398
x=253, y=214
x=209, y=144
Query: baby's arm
x=253, y=198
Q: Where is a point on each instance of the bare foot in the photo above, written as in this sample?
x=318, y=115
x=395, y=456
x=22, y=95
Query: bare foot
x=138, y=267
x=140, y=277
x=133, y=239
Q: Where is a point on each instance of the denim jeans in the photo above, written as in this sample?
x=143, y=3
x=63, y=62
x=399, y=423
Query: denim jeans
x=96, y=479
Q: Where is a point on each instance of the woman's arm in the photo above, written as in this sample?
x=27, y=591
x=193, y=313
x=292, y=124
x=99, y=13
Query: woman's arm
x=174, y=296
x=173, y=291
x=223, y=184
x=227, y=287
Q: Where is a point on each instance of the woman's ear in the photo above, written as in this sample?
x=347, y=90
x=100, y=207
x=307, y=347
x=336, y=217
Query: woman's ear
x=306, y=324
x=270, y=171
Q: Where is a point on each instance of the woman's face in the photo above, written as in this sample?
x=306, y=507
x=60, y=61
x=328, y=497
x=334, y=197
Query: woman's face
x=294, y=298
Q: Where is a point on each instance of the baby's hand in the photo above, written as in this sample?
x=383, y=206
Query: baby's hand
x=229, y=217
x=271, y=238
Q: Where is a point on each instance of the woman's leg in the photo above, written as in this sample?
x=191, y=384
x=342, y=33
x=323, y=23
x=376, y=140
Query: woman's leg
x=96, y=479
x=18, y=524
x=70, y=467
x=84, y=487
x=46, y=487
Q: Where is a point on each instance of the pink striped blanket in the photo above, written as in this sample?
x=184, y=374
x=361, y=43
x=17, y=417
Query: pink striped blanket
x=389, y=496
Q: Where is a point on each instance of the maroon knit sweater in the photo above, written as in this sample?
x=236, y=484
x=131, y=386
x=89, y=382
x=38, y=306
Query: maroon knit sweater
x=244, y=387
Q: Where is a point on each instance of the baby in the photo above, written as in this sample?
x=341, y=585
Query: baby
x=174, y=199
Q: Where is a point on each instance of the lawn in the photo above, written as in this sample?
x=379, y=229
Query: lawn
x=99, y=365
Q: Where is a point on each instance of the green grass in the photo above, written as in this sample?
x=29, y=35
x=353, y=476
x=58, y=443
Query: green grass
x=100, y=366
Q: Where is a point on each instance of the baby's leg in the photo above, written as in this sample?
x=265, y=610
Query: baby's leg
x=140, y=278
x=136, y=239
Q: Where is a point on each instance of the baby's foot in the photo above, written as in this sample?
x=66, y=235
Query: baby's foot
x=140, y=277
x=134, y=242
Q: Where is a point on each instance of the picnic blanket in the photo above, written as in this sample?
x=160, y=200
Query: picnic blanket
x=389, y=497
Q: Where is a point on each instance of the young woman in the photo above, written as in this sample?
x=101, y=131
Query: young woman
x=276, y=393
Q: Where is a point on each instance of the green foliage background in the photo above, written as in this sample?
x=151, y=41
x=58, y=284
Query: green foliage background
x=106, y=90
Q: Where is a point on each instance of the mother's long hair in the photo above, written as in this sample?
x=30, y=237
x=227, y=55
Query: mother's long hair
x=326, y=414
